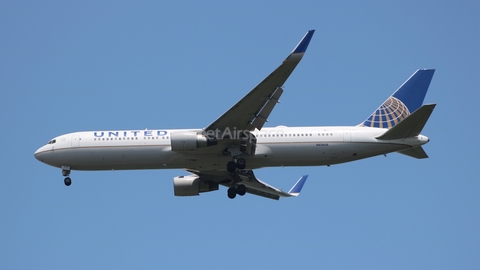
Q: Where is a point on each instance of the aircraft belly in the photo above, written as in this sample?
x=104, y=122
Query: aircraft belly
x=206, y=162
x=293, y=154
x=355, y=151
x=316, y=154
x=118, y=158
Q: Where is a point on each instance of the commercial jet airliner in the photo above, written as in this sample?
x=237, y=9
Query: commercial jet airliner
x=228, y=150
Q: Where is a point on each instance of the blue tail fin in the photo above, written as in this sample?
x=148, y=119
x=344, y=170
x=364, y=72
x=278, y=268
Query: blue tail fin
x=407, y=99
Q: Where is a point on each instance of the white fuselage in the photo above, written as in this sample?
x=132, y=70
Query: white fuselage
x=279, y=146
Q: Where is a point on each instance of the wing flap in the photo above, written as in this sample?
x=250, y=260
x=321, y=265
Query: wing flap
x=260, y=188
x=262, y=193
x=262, y=116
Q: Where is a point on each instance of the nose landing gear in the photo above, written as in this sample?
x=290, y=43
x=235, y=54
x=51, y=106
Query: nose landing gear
x=68, y=181
x=66, y=173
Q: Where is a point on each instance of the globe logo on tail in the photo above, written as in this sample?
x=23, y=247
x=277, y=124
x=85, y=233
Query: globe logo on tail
x=390, y=113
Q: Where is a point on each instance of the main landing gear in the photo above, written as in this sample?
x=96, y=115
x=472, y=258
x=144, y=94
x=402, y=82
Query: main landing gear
x=66, y=173
x=240, y=164
x=232, y=167
x=240, y=190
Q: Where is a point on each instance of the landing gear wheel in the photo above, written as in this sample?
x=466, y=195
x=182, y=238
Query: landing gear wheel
x=241, y=163
x=231, y=166
x=241, y=190
x=68, y=181
x=65, y=172
x=231, y=192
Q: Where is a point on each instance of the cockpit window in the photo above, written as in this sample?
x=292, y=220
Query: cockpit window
x=52, y=141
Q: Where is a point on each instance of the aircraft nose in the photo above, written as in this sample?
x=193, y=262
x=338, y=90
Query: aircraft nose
x=40, y=154
x=37, y=153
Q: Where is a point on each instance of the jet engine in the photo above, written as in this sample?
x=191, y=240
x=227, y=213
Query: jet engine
x=191, y=185
x=188, y=141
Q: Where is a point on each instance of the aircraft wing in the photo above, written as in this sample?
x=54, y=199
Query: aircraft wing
x=254, y=186
x=252, y=110
x=257, y=187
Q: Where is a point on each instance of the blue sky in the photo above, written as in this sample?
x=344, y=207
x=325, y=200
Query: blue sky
x=70, y=66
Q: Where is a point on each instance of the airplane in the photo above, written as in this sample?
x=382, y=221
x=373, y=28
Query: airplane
x=228, y=150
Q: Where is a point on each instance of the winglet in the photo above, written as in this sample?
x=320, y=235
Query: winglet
x=295, y=190
x=303, y=44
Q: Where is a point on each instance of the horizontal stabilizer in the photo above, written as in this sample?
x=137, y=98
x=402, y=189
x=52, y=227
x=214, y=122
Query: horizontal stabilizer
x=410, y=126
x=416, y=152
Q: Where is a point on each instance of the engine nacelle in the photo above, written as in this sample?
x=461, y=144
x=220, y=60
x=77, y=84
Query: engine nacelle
x=191, y=185
x=188, y=141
